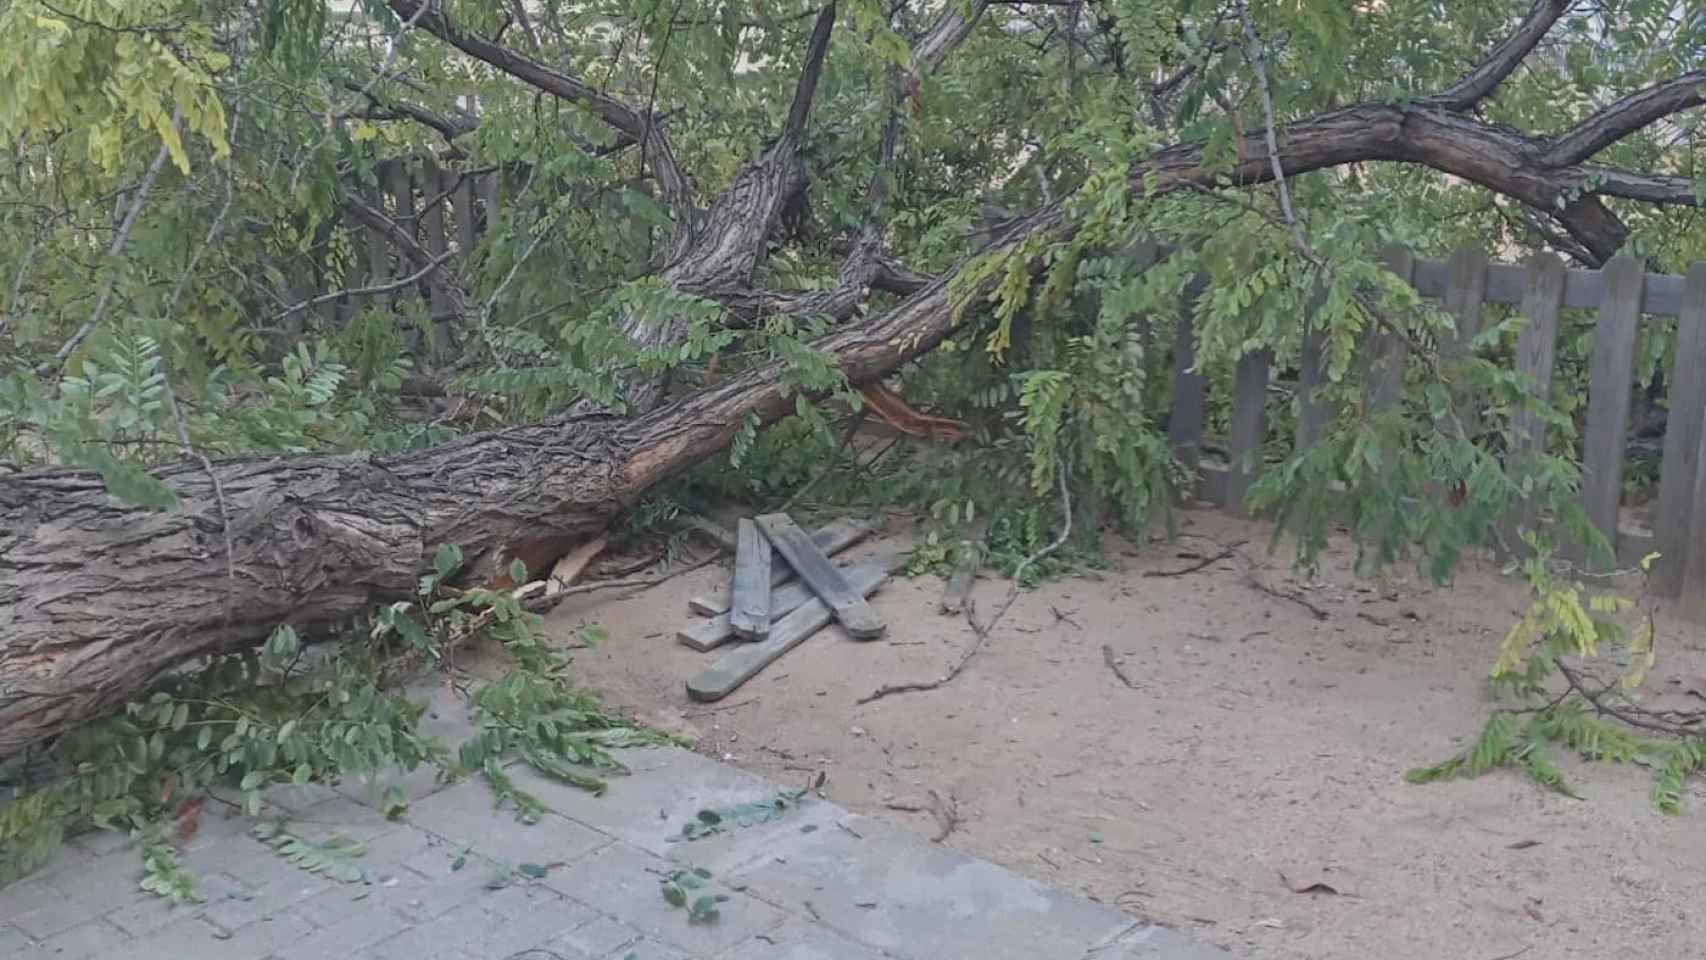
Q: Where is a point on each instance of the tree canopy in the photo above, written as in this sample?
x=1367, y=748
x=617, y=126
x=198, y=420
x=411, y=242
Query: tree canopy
x=696, y=218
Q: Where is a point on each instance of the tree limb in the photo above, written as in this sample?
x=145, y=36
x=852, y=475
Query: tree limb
x=806, y=88
x=1627, y=115
x=1480, y=82
x=659, y=155
x=425, y=263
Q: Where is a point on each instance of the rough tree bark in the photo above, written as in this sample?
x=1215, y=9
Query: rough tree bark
x=97, y=598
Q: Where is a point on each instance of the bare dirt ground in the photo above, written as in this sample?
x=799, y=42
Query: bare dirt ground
x=1258, y=751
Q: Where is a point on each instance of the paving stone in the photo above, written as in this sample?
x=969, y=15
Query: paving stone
x=293, y=798
x=921, y=901
x=799, y=940
x=25, y=896
x=195, y=939
x=1146, y=942
x=444, y=936
x=649, y=949
x=13, y=942
x=667, y=788
x=95, y=939
x=347, y=937
x=152, y=912
x=600, y=938
x=84, y=891
x=467, y=815
x=523, y=899
x=241, y=907
x=101, y=842
x=623, y=882
x=341, y=816
x=426, y=901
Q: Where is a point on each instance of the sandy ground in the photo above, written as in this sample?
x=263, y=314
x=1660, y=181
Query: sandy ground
x=1258, y=750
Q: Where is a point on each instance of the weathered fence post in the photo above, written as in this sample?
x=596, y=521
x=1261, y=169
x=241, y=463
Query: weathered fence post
x=1680, y=470
x=1388, y=349
x=1605, y=434
x=433, y=189
x=1693, y=579
x=1311, y=374
x=1247, y=431
x=403, y=196
x=1184, y=426
x=1536, y=348
x=1466, y=288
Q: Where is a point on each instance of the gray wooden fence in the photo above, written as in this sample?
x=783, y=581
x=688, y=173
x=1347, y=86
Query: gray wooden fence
x=1622, y=293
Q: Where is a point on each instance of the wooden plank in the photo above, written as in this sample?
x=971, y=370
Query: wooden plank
x=1680, y=468
x=831, y=539
x=489, y=189
x=1536, y=347
x=1605, y=435
x=1583, y=289
x=1184, y=423
x=1312, y=414
x=1693, y=589
x=1247, y=432
x=713, y=633
x=1388, y=349
x=744, y=662
x=432, y=183
x=402, y=190
x=848, y=604
x=1465, y=289
x=462, y=208
x=749, y=613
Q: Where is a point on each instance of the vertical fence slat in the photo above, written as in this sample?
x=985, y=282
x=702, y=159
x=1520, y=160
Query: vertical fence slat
x=403, y=196
x=1184, y=426
x=1605, y=433
x=1693, y=580
x=1386, y=371
x=462, y=205
x=1465, y=290
x=1681, y=466
x=489, y=201
x=1311, y=374
x=1248, y=428
x=1536, y=347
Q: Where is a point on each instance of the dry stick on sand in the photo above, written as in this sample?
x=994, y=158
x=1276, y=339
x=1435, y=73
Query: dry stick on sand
x=1226, y=553
x=1114, y=665
x=982, y=630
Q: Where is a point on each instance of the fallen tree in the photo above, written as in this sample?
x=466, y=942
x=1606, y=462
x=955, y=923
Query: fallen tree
x=97, y=598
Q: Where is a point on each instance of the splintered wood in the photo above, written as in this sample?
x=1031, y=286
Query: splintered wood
x=783, y=589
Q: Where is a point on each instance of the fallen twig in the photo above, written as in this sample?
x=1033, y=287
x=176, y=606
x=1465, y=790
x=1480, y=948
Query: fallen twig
x=1114, y=665
x=1226, y=553
x=982, y=630
x=947, y=814
x=1302, y=601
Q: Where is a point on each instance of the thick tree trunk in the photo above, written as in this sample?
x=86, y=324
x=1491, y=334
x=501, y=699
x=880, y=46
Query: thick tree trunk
x=98, y=598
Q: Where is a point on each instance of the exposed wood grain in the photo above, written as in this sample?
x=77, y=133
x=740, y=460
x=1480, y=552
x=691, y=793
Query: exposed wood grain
x=1185, y=422
x=848, y=604
x=1466, y=288
x=745, y=661
x=716, y=631
x=1248, y=430
x=749, y=611
x=1386, y=348
x=1680, y=469
x=1536, y=347
x=1606, y=431
x=831, y=539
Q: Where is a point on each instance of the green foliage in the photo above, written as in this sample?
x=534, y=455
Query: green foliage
x=709, y=822
x=334, y=857
x=680, y=888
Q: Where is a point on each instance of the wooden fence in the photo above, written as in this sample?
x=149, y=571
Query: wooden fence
x=433, y=205
x=1622, y=293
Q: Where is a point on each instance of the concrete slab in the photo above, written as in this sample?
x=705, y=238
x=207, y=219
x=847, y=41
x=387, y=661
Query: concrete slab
x=921, y=901
x=624, y=882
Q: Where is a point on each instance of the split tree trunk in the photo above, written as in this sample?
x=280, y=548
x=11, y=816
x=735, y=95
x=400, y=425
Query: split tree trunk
x=98, y=598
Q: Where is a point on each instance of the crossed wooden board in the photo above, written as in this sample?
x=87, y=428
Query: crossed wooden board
x=784, y=589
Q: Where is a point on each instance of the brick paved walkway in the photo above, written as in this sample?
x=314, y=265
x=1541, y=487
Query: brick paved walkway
x=818, y=883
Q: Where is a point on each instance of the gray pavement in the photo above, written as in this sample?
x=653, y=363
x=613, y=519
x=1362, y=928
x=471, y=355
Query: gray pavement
x=446, y=881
